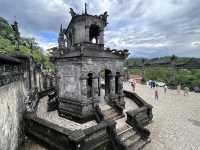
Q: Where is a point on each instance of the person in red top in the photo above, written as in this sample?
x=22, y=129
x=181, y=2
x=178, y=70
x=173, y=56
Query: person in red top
x=156, y=94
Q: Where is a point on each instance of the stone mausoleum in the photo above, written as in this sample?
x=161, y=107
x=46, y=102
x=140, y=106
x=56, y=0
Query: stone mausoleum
x=95, y=112
x=87, y=73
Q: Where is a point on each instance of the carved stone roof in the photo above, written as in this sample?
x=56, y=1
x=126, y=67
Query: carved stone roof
x=91, y=51
x=8, y=59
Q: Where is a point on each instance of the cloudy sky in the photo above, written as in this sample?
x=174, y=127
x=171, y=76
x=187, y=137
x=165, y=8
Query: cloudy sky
x=148, y=28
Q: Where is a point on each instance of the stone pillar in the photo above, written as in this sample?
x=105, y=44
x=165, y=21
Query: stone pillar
x=112, y=85
x=121, y=101
x=83, y=88
x=95, y=87
x=120, y=85
x=87, y=30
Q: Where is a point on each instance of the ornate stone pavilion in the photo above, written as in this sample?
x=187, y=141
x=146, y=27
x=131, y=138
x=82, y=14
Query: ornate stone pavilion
x=84, y=65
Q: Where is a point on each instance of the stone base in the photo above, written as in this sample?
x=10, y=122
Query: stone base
x=79, y=111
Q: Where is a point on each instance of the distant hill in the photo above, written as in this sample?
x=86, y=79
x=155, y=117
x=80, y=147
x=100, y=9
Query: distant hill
x=139, y=61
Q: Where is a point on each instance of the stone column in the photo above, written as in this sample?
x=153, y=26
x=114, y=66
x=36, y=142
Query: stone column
x=83, y=88
x=121, y=101
x=120, y=85
x=112, y=86
x=87, y=30
x=95, y=87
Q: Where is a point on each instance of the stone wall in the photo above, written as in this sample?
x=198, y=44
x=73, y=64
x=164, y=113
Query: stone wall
x=12, y=107
x=69, y=75
x=72, y=70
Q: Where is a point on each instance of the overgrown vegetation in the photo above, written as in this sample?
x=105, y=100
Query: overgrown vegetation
x=7, y=45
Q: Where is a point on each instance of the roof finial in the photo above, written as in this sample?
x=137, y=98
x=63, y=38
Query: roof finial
x=61, y=28
x=85, y=8
x=17, y=34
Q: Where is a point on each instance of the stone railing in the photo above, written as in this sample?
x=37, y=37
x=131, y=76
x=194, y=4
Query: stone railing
x=98, y=114
x=9, y=77
x=45, y=92
x=10, y=69
x=32, y=101
x=53, y=136
x=117, y=104
x=114, y=138
x=48, y=134
x=144, y=112
x=96, y=137
x=140, y=117
x=52, y=101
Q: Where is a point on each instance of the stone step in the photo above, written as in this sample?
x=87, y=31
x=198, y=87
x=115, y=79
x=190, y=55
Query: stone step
x=117, y=117
x=122, y=129
x=111, y=116
x=96, y=146
x=122, y=125
x=132, y=140
x=126, y=134
x=140, y=144
x=109, y=112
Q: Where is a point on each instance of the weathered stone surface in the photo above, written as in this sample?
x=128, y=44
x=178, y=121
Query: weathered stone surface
x=12, y=98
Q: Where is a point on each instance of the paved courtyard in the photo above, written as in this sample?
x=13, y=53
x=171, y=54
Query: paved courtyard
x=176, y=122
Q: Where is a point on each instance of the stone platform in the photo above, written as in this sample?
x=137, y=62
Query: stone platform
x=55, y=118
x=176, y=124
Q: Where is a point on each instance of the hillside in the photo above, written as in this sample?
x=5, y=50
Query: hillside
x=7, y=45
x=138, y=61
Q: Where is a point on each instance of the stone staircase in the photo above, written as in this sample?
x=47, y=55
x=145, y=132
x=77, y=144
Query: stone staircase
x=111, y=114
x=125, y=132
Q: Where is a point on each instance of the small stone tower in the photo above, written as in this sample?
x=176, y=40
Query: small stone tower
x=86, y=29
x=84, y=65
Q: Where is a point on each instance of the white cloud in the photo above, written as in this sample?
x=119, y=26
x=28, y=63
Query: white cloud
x=149, y=27
x=195, y=44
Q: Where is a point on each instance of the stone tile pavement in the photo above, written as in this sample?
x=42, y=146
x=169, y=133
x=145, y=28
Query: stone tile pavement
x=176, y=122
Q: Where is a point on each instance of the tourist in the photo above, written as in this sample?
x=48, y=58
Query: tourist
x=156, y=94
x=133, y=85
x=154, y=84
x=165, y=89
x=179, y=89
x=186, y=91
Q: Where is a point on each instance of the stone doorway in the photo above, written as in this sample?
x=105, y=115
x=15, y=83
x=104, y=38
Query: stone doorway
x=105, y=85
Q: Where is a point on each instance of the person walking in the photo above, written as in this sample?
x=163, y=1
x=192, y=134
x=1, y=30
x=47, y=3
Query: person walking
x=156, y=94
x=133, y=85
x=186, y=91
x=179, y=89
x=165, y=89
